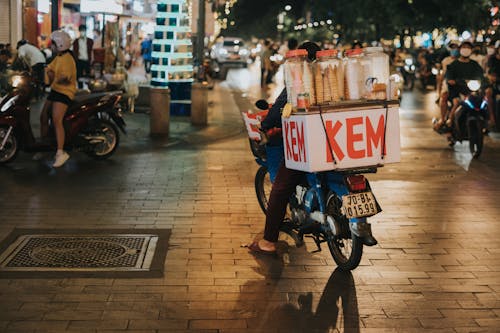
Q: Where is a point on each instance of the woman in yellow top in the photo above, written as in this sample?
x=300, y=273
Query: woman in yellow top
x=62, y=79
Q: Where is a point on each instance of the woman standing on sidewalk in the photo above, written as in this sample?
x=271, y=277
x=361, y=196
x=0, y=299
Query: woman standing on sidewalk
x=62, y=79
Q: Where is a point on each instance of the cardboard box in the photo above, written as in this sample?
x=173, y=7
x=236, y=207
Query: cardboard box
x=358, y=137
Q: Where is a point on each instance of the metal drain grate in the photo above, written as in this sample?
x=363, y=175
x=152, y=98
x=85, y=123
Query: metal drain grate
x=79, y=252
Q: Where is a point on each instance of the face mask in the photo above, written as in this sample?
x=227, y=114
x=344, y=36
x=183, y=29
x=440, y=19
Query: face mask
x=465, y=52
x=490, y=51
x=455, y=53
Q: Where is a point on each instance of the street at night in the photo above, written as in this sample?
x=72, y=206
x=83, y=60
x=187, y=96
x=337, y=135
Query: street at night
x=435, y=268
x=249, y=166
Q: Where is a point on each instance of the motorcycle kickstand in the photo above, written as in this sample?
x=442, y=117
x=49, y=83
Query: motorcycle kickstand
x=317, y=241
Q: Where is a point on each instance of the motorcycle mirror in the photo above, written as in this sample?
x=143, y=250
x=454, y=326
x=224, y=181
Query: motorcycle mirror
x=262, y=104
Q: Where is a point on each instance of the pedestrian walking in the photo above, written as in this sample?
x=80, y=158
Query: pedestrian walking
x=82, y=49
x=146, y=51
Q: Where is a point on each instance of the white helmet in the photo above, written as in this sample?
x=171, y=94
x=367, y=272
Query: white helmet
x=61, y=39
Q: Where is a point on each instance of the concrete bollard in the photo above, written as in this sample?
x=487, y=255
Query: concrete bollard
x=199, y=104
x=159, y=122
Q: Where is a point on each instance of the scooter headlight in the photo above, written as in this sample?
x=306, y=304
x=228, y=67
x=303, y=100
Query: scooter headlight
x=17, y=81
x=435, y=71
x=7, y=105
x=474, y=85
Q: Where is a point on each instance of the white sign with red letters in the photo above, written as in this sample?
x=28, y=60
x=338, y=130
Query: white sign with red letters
x=356, y=138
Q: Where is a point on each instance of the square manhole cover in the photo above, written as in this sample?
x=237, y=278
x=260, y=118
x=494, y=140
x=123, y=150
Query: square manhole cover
x=98, y=253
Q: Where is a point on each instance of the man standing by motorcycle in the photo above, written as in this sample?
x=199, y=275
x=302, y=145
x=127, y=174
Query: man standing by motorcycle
x=35, y=59
x=458, y=72
x=62, y=79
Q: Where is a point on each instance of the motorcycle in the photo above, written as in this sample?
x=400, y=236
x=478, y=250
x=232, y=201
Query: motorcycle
x=330, y=207
x=407, y=70
x=112, y=83
x=91, y=123
x=470, y=120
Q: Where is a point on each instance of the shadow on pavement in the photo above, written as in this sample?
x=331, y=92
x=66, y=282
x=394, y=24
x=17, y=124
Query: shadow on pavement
x=337, y=308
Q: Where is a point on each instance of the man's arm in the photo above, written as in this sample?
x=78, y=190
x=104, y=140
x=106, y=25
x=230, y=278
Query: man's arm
x=451, y=74
x=273, y=118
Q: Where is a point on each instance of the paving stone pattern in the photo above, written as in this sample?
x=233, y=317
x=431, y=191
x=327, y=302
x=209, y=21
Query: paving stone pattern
x=436, y=268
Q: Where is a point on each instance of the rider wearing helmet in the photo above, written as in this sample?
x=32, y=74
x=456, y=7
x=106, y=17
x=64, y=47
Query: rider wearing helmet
x=460, y=70
x=62, y=79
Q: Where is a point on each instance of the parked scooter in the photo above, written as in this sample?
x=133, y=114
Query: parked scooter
x=330, y=207
x=470, y=120
x=91, y=123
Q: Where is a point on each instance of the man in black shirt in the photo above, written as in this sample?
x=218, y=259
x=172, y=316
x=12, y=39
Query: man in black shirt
x=458, y=72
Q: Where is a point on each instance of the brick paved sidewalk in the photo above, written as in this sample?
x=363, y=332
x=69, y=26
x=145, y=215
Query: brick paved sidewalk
x=435, y=270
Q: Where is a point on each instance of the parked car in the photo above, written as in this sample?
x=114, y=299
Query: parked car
x=230, y=50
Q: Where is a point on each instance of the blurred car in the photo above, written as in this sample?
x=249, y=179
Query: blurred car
x=230, y=50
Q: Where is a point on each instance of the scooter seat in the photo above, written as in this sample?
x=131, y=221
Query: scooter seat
x=87, y=98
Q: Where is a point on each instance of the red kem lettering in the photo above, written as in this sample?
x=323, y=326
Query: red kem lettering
x=375, y=137
x=294, y=142
x=332, y=131
x=354, y=137
x=373, y=140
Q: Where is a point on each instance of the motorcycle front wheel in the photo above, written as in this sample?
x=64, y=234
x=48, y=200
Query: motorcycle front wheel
x=475, y=138
x=9, y=152
x=345, y=247
x=263, y=187
x=107, y=139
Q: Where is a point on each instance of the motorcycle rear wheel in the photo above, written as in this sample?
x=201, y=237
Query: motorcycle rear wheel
x=345, y=247
x=263, y=187
x=105, y=149
x=475, y=138
x=9, y=153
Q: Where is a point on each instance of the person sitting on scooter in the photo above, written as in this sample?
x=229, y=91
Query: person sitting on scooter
x=61, y=73
x=286, y=179
x=458, y=72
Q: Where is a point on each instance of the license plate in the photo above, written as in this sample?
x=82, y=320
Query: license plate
x=359, y=205
x=234, y=57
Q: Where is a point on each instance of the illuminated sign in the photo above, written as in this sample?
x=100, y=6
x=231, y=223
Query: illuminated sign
x=172, y=46
x=99, y=6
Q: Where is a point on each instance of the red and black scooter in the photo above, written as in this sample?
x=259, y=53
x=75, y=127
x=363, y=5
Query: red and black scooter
x=91, y=123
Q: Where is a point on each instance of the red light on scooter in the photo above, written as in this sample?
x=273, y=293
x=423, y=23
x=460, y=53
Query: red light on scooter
x=356, y=183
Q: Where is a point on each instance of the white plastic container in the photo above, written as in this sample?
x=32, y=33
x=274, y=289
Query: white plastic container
x=328, y=77
x=299, y=80
x=376, y=73
x=354, y=88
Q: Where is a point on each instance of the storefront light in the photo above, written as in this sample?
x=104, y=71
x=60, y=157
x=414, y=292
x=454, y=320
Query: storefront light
x=43, y=6
x=99, y=6
x=137, y=6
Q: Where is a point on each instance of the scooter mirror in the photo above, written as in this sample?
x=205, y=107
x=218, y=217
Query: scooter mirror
x=262, y=104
